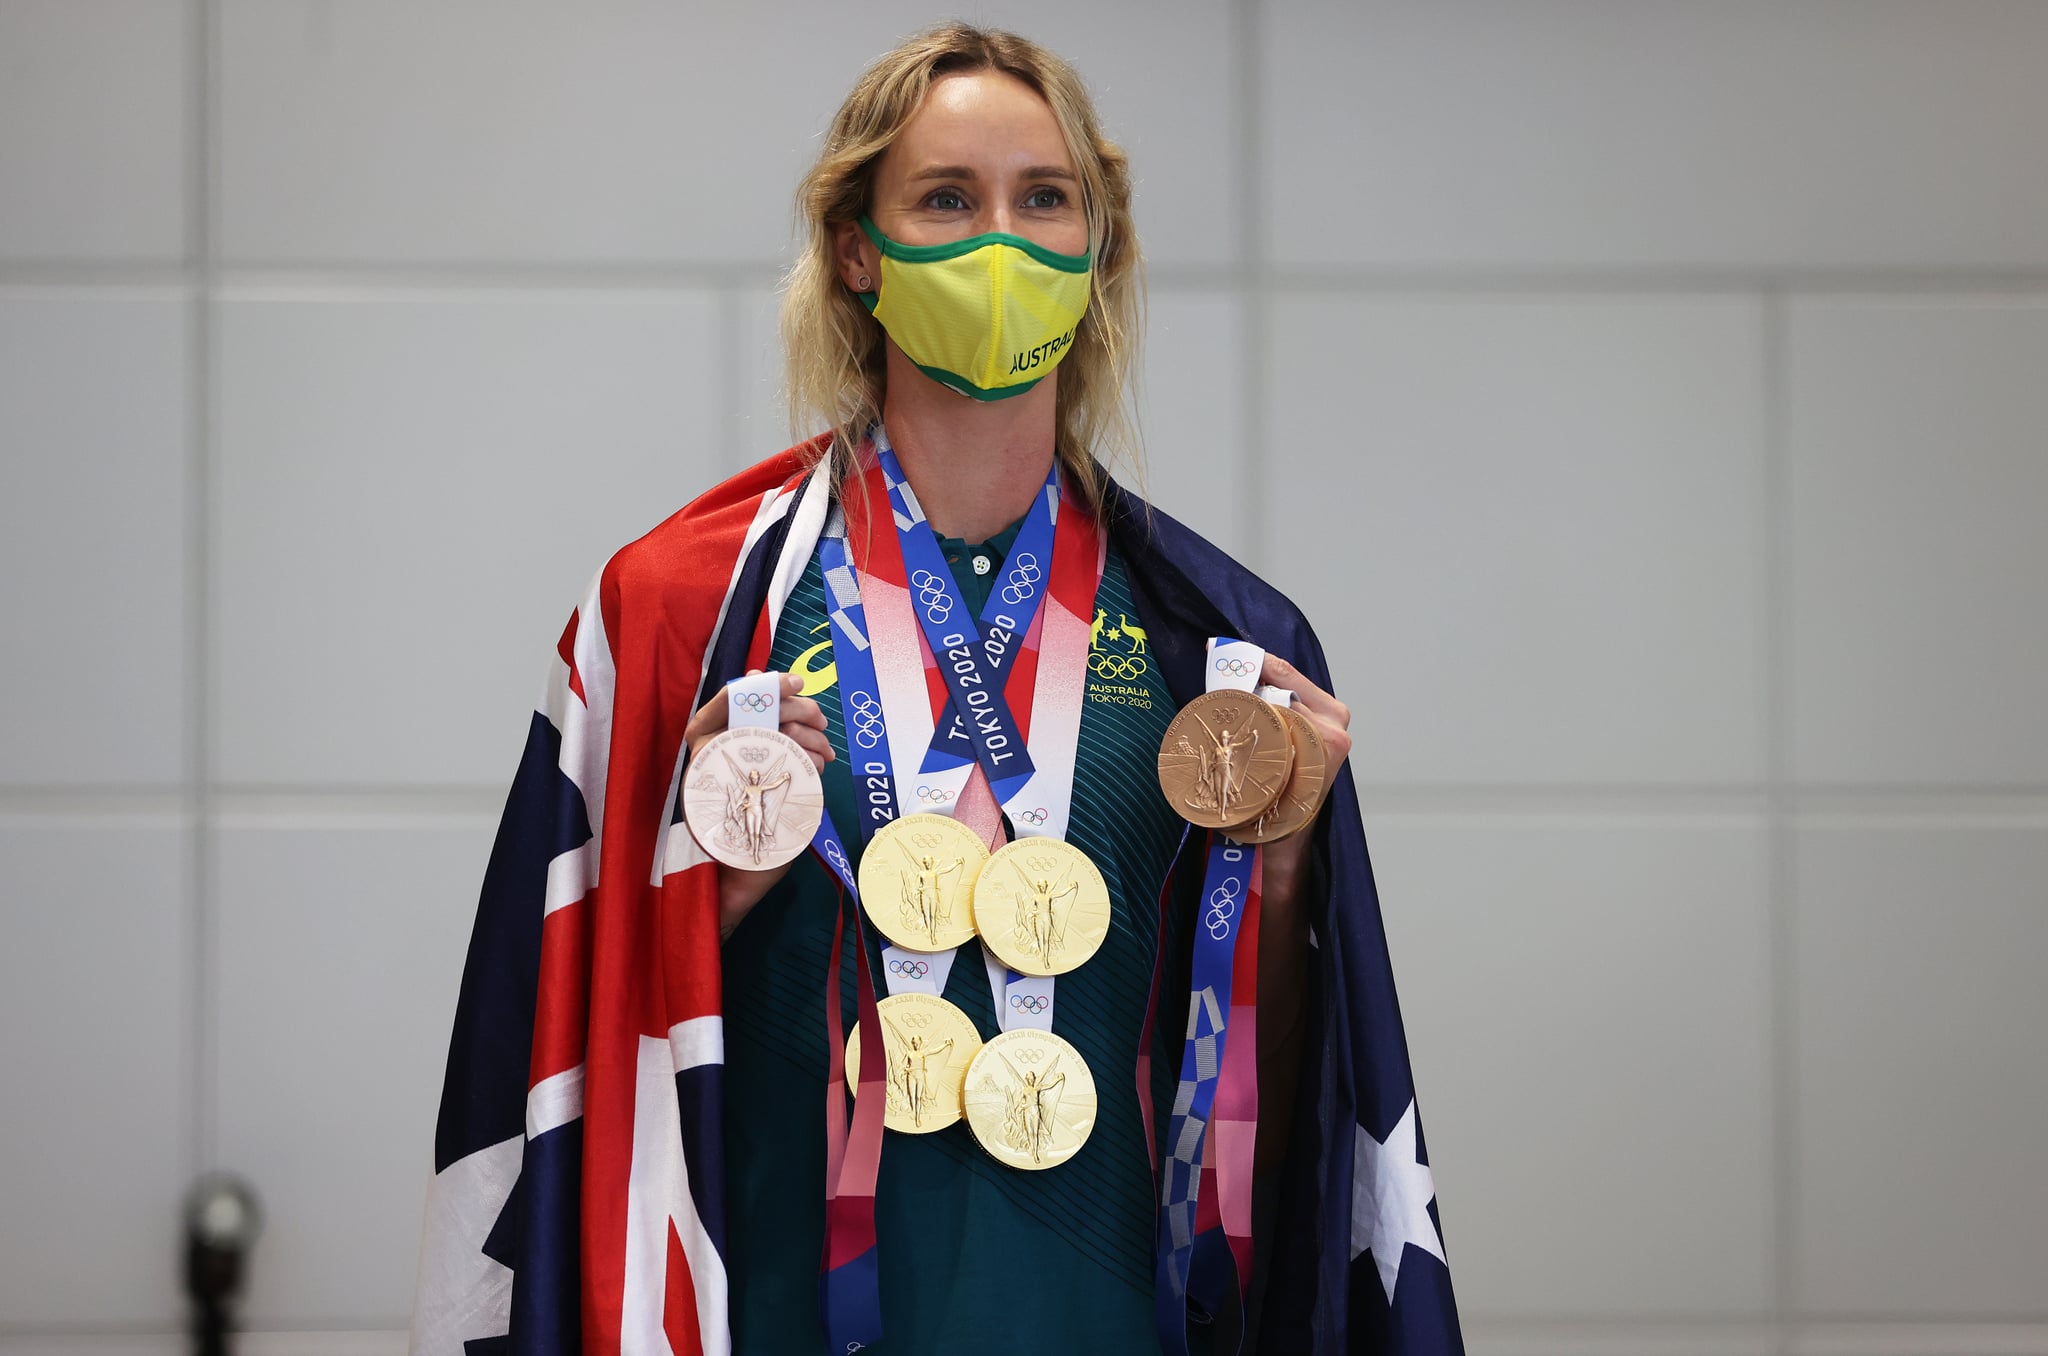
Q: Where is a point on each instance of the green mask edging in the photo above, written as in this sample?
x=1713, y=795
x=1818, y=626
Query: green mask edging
x=932, y=254
x=953, y=381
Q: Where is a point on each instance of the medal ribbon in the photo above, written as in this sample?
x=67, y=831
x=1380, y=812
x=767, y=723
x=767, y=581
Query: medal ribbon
x=862, y=714
x=1205, y=1234
x=850, y=1287
x=974, y=657
x=850, y=1293
x=995, y=677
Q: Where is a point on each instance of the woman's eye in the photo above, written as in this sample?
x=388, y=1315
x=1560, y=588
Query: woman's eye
x=1045, y=197
x=946, y=200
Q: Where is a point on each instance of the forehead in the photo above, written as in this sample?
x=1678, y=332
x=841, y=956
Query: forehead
x=980, y=118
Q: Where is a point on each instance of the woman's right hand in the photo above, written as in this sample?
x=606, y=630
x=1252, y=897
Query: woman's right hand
x=802, y=720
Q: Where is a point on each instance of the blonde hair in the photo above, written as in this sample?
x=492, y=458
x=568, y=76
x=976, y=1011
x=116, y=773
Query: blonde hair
x=834, y=349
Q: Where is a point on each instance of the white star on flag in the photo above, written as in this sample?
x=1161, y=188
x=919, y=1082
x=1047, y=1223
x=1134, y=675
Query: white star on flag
x=1390, y=1196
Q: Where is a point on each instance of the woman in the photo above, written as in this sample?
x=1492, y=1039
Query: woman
x=1113, y=1173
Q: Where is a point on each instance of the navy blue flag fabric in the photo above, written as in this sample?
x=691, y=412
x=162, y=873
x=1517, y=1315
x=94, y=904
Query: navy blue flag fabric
x=1376, y=1281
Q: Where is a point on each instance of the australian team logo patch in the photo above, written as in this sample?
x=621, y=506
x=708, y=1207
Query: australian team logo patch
x=1118, y=661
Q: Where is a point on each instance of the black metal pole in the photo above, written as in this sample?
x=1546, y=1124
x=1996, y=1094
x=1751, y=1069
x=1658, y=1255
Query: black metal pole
x=222, y=1221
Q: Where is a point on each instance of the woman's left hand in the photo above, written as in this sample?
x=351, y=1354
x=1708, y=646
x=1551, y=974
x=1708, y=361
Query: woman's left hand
x=1332, y=719
x=1284, y=928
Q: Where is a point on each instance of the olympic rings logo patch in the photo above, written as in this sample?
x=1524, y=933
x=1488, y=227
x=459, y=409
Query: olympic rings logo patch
x=1035, y=816
x=934, y=795
x=867, y=719
x=1023, y=576
x=1222, y=908
x=1236, y=668
x=1121, y=667
x=932, y=597
x=757, y=702
x=914, y=969
x=1032, y=1003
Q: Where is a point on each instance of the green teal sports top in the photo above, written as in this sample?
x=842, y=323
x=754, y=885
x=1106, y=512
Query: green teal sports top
x=974, y=1256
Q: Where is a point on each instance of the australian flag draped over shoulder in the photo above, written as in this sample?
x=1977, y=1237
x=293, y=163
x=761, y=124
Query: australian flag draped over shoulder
x=578, y=1203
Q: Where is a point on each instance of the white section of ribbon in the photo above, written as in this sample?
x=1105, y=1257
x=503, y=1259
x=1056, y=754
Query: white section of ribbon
x=1021, y=1000
x=906, y=971
x=1044, y=805
x=1233, y=664
x=892, y=634
x=1028, y=1002
x=1276, y=696
x=754, y=700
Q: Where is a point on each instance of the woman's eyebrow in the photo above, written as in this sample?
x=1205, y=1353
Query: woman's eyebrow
x=966, y=173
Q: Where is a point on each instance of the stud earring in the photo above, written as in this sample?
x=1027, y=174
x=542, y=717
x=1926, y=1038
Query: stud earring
x=863, y=285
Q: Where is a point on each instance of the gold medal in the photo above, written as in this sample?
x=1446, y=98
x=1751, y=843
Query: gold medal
x=930, y=1043
x=752, y=798
x=1041, y=906
x=1307, y=784
x=917, y=881
x=1030, y=1099
x=1225, y=759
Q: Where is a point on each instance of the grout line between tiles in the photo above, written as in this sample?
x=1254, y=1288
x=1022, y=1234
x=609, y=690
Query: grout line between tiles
x=1782, y=844
x=283, y=279
x=195, y=794
x=1249, y=282
x=207, y=256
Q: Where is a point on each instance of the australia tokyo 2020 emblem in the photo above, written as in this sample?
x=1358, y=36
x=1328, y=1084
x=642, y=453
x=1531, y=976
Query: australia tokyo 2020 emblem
x=1118, y=660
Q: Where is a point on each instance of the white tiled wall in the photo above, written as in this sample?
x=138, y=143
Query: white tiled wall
x=1646, y=401
x=94, y=478
x=330, y=1068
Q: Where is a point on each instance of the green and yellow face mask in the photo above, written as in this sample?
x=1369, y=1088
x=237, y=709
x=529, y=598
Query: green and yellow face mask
x=988, y=316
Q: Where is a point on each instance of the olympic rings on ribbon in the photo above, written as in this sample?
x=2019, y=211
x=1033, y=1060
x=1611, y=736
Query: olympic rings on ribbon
x=837, y=857
x=1236, y=668
x=1023, y=575
x=932, y=596
x=915, y=969
x=1033, y=1003
x=1035, y=816
x=1120, y=667
x=757, y=702
x=1222, y=908
x=867, y=719
x=934, y=795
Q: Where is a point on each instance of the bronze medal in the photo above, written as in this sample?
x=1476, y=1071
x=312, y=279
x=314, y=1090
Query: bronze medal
x=752, y=798
x=1307, y=784
x=1225, y=759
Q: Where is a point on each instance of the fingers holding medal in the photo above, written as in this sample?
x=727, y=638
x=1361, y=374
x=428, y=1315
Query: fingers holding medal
x=1241, y=758
x=751, y=794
